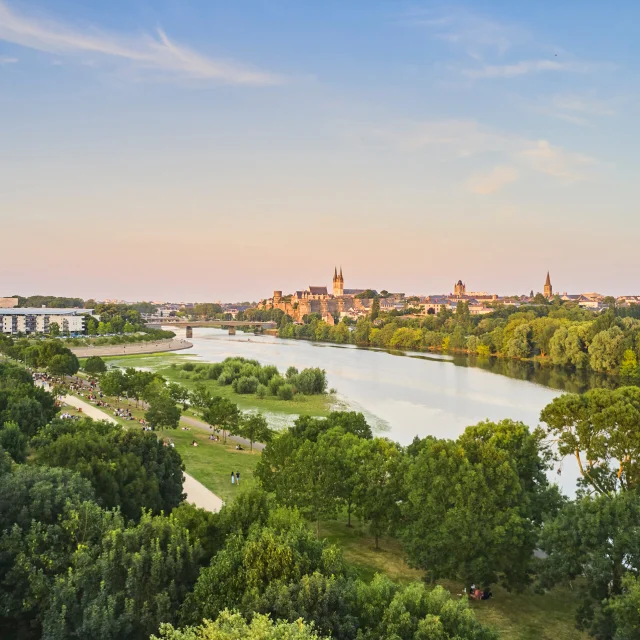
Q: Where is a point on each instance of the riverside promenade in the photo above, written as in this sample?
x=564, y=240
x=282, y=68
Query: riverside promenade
x=135, y=348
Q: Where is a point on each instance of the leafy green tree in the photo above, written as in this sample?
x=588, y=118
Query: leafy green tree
x=124, y=587
x=232, y=626
x=113, y=383
x=375, y=309
x=378, y=486
x=63, y=365
x=95, y=365
x=131, y=470
x=592, y=544
x=626, y=608
x=600, y=429
x=605, y=350
x=54, y=329
x=179, y=394
x=162, y=412
x=255, y=428
x=629, y=371
x=201, y=397
x=223, y=414
x=285, y=392
x=14, y=441
x=469, y=507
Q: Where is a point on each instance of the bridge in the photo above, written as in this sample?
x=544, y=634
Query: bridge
x=217, y=324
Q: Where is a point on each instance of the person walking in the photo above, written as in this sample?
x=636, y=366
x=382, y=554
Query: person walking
x=237, y=477
x=233, y=478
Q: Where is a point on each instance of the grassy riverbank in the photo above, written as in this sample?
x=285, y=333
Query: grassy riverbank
x=167, y=365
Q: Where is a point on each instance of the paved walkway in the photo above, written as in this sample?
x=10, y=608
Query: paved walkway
x=134, y=348
x=198, y=424
x=196, y=492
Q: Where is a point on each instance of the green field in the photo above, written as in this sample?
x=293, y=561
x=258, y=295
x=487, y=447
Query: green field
x=316, y=405
x=211, y=463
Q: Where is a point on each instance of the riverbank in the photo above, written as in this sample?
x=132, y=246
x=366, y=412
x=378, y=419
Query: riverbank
x=112, y=350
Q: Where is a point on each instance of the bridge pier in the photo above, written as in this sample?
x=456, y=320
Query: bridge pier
x=189, y=332
x=232, y=331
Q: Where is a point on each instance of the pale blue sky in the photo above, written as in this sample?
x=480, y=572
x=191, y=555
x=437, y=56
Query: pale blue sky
x=185, y=149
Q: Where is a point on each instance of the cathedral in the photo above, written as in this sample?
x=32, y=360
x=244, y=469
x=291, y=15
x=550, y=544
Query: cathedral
x=317, y=299
x=548, y=289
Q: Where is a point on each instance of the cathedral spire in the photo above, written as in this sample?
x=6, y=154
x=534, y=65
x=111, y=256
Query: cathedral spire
x=335, y=273
x=548, y=280
x=340, y=272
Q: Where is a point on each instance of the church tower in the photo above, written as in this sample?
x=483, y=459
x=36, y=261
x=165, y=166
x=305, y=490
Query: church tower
x=548, y=289
x=338, y=283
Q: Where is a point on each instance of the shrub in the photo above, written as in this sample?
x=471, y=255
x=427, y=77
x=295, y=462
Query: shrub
x=226, y=377
x=188, y=366
x=262, y=391
x=285, y=392
x=214, y=371
x=246, y=384
x=275, y=383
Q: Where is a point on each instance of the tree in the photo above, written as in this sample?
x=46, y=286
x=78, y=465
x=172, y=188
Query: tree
x=162, y=412
x=629, y=371
x=131, y=470
x=600, y=429
x=123, y=587
x=254, y=427
x=179, y=394
x=231, y=626
x=604, y=350
x=63, y=365
x=95, y=365
x=593, y=544
x=469, y=506
x=377, y=484
x=375, y=309
x=14, y=441
x=54, y=329
x=113, y=383
x=200, y=397
x=223, y=414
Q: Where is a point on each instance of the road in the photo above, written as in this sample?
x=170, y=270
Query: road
x=197, y=493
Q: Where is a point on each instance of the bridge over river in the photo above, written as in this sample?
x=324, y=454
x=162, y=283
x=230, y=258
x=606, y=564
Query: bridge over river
x=232, y=325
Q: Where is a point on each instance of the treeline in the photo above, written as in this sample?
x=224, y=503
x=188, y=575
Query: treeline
x=55, y=302
x=95, y=541
x=559, y=334
x=476, y=508
x=51, y=355
x=250, y=377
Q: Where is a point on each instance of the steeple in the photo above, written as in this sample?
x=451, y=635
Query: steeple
x=548, y=289
x=335, y=273
x=341, y=278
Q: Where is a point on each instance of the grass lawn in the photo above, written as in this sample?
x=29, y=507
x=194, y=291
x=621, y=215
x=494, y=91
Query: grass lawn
x=211, y=463
x=525, y=616
x=316, y=405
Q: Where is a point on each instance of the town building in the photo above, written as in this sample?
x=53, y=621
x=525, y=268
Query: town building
x=28, y=320
x=459, y=289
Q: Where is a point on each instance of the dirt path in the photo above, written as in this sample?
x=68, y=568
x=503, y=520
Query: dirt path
x=134, y=348
x=196, y=492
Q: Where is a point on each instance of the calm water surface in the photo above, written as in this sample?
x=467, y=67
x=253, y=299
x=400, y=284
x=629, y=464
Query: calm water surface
x=403, y=396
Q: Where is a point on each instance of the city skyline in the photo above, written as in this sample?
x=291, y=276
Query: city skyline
x=200, y=150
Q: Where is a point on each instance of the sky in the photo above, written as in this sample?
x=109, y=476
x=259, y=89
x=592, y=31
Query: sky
x=200, y=150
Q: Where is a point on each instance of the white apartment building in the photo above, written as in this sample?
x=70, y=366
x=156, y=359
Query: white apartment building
x=38, y=320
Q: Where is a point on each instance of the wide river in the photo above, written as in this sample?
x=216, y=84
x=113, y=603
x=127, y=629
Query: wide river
x=402, y=396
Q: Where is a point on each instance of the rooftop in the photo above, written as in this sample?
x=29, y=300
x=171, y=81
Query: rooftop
x=43, y=311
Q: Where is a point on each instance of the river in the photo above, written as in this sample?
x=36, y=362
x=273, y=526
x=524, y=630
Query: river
x=402, y=395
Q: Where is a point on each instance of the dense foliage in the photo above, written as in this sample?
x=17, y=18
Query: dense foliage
x=561, y=334
x=250, y=377
x=48, y=354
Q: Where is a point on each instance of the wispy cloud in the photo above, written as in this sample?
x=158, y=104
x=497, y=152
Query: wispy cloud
x=487, y=183
x=467, y=138
x=7, y=60
x=525, y=67
x=475, y=33
x=156, y=53
x=576, y=109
